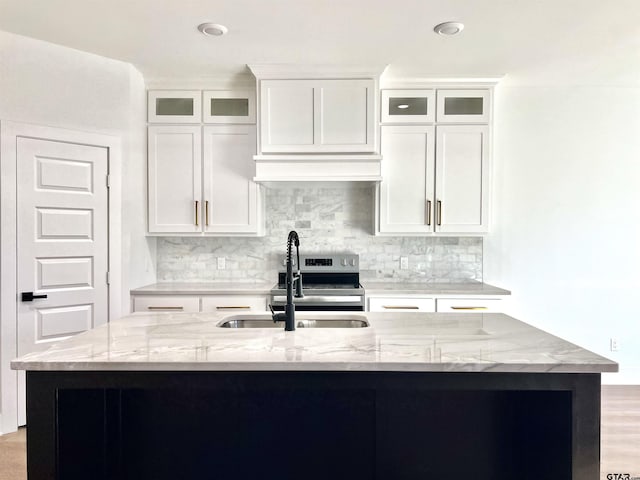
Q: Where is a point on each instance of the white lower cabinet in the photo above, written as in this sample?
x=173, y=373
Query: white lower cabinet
x=234, y=303
x=203, y=303
x=419, y=303
x=401, y=304
x=166, y=303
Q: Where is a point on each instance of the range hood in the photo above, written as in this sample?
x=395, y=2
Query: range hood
x=318, y=168
x=317, y=124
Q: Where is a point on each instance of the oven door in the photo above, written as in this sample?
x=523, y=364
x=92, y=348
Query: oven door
x=321, y=303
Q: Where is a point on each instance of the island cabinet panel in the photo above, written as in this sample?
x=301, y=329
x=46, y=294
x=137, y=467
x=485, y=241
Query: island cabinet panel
x=312, y=425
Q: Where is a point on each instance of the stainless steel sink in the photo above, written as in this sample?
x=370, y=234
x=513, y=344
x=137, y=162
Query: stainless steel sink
x=265, y=321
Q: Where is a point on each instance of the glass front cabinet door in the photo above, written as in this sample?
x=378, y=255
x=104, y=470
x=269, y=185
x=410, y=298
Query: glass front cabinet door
x=229, y=106
x=174, y=106
x=463, y=106
x=408, y=106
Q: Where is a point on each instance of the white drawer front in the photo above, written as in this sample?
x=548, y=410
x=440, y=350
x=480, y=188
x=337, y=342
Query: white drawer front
x=161, y=303
x=401, y=304
x=469, y=305
x=234, y=303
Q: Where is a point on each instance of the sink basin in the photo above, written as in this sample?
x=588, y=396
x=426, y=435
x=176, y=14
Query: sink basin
x=265, y=321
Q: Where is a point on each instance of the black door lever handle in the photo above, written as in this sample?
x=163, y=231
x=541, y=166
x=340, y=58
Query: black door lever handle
x=29, y=296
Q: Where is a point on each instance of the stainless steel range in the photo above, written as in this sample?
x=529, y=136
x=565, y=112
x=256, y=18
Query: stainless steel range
x=329, y=282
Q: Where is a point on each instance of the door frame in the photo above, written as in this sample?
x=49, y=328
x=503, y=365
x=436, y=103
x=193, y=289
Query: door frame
x=9, y=133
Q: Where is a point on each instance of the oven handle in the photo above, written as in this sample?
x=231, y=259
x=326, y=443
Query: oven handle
x=320, y=299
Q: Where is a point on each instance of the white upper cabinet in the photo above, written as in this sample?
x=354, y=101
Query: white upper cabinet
x=463, y=106
x=174, y=106
x=230, y=196
x=174, y=179
x=408, y=106
x=229, y=106
x=407, y=189
x=317, y=116
x=203, y=191
x=435, y=177
x=462, y=178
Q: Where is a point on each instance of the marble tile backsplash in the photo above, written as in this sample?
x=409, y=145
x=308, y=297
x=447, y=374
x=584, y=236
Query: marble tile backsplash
x=334, y=219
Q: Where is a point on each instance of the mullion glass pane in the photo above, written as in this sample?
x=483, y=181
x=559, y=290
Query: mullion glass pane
x=174, y=106
x=463, y=106
x=230, y=107
x=408, y=106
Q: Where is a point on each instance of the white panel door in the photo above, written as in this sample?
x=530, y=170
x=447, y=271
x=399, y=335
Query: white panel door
x=175, y=179
x=286, y=115
x=406, y=190
x=344, y=116
x=230, y=194
x=462, y=179
x=62, y=240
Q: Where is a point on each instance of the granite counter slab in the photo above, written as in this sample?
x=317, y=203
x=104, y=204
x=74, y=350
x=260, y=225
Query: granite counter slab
x=395, y=288
x=204, y=288
x=425, y=342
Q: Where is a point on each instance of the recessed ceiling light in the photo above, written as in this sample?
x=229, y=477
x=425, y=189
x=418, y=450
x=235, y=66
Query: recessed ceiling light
x=212, y=29
x=448, y=28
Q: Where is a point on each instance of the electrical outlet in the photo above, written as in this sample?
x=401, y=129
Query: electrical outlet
x=614, y=344
x=404, y=263
x=222, y=264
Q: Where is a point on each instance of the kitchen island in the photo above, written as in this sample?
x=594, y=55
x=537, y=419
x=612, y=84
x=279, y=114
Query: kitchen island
x=415, y=395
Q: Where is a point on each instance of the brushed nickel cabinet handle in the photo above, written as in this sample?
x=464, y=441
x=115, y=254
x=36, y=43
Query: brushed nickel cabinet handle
x=196, y=213
x=429, y=212
x=206, y=212
x=439, y=215
x=230, y=307
x=164, y=308
x=469, y=308
x=400, y=307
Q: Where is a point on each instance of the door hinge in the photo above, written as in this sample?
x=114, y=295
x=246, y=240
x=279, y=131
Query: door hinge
x=108, y=181
x=108, y=278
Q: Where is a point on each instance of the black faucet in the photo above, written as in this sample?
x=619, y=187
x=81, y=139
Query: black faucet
x=289, y=315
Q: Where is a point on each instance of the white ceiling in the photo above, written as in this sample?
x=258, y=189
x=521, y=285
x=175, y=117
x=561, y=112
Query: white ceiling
x=533, y=41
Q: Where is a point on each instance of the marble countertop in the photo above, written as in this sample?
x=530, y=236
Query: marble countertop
x=395, y=288
x=425, y=342
x=205, y=288
x=373, y=288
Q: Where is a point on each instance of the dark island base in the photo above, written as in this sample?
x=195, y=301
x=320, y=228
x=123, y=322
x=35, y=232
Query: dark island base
x=312, y=425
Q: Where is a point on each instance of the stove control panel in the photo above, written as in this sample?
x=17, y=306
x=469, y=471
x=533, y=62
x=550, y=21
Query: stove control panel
x=316, y=262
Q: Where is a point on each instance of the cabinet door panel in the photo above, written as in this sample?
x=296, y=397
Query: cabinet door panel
x=174, y=179
x=406, y=191
x=230, y=195
x=343, y=122
x=462, y=179
x=166, y=303
x=234, y=303
x=401, y=304
x=287, y=116
x=173, y=106
x=463, y=106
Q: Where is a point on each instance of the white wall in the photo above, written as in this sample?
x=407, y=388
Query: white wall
x=566, y=238
x=46, y=84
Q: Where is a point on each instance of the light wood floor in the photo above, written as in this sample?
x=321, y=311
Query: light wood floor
x=620, y=437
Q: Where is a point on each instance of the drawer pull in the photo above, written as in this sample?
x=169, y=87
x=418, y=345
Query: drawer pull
x=230, y=307
x=400, y=307
x=469, y=308
x=164, y=308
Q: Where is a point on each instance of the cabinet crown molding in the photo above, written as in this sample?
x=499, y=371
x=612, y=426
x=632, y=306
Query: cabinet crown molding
x=295, y=72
